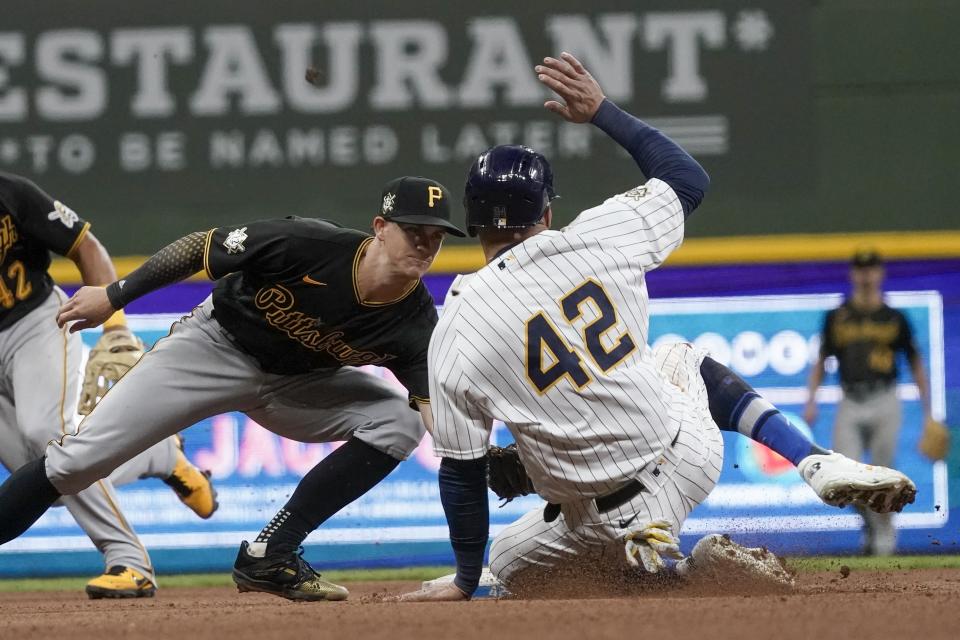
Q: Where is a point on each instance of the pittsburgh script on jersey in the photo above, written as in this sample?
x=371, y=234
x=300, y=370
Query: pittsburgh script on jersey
x=846, y=331
x=8, y=235
x=276, y=301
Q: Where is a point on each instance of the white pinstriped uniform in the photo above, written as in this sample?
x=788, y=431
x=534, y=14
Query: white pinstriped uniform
x=621, y=411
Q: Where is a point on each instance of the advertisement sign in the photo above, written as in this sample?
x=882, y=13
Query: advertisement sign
x=769, y=340
x=198, y=119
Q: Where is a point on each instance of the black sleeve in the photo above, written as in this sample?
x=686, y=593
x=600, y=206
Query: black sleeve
x=463, y=492
x=178, y=260
x=827, y=347
x=44, y=219
x=262, y=247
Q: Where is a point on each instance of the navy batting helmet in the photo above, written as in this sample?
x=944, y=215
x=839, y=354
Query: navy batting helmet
x=508, y=187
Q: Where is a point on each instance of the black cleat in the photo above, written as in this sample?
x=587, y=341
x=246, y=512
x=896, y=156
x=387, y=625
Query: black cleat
x=287, y=576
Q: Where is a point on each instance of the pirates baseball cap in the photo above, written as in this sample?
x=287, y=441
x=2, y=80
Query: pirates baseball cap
x=866, y=257
x=416, y=200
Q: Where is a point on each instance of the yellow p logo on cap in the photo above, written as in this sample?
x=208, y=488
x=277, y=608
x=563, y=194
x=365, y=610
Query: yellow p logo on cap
x=433, y=193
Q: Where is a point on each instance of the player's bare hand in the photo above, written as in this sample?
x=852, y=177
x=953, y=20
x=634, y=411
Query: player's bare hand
x=810, y=413
x=568, y=79
x=447, y=592
x=89, y=307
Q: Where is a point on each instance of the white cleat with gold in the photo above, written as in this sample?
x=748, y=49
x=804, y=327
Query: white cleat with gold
x=840, y=481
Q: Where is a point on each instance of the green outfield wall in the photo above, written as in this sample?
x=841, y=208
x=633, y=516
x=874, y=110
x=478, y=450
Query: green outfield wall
x=155, y=119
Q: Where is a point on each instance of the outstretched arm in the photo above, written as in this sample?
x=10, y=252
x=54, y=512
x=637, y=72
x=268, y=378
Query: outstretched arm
x=461, y=436
x=92, y=305
x=463, y=492
x=657, y=155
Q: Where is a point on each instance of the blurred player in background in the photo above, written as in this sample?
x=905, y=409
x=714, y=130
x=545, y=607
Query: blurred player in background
x=866, y=336
x=40, y=373
x=551, y=337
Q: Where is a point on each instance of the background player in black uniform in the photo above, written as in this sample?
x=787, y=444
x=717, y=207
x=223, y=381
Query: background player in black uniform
x=865, y=335
x=299, y=304
x=40, y=371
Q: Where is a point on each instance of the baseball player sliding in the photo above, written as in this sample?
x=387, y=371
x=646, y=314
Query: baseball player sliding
x=40, y=374
x=551, y=337
x=299, y=305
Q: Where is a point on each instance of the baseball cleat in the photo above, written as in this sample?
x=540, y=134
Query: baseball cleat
x=121, y=582
x=288, y=576
x=840, y=481
x=718, y=558
x=192, y=486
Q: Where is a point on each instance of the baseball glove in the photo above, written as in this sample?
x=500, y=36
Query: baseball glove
x=506, y=476
x=113, y=355
x=935, y=440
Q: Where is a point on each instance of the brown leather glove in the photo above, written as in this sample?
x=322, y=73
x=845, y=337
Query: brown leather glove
x=115, y=352
x=935, y=440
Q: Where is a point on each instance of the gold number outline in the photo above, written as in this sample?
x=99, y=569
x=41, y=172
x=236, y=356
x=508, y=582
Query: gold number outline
x=566, y=345
x=600, y=315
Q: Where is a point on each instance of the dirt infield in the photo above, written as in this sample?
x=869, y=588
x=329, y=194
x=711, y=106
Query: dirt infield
x=906, y=605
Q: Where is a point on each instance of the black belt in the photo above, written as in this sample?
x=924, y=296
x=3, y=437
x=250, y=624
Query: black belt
x=621, y=496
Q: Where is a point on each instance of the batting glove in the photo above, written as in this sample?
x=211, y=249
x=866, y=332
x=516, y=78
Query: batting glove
x=650, y=545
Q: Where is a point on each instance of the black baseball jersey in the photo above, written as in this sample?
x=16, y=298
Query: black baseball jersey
x=288, y=296
x=866, y=343
x=31, y=225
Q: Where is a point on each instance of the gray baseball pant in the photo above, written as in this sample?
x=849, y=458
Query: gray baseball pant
x=871, y=425
x=197, y=372
x=39, y=387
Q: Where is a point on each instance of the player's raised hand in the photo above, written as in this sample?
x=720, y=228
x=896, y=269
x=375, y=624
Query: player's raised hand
x=447, y=592
x=568, y=79
x=88, y=307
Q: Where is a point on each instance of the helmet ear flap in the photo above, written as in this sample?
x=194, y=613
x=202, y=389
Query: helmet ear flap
x=548, y=179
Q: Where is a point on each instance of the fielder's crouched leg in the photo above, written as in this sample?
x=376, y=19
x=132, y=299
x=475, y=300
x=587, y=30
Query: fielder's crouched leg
x=379, y=430
x=78, y=461
x=24, y=497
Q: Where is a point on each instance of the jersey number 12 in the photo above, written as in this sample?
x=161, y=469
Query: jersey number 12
x=544, y=339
